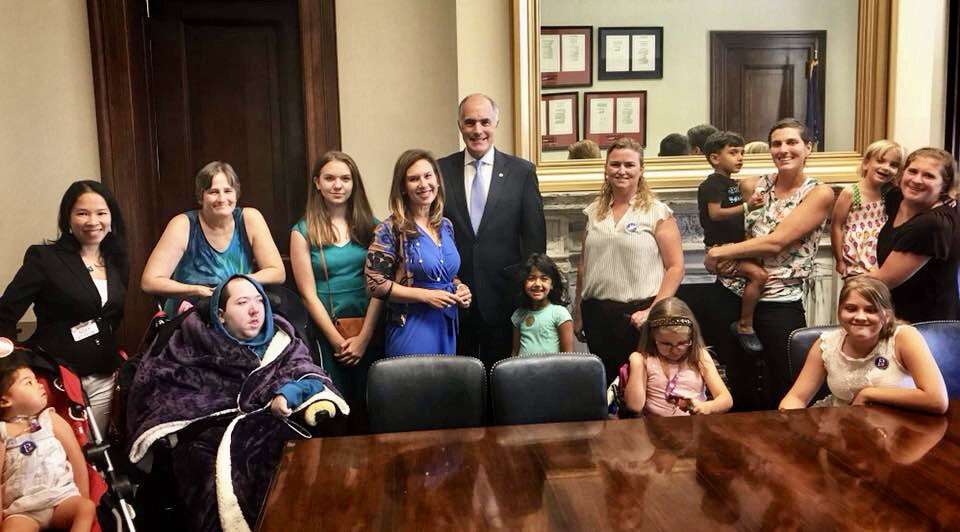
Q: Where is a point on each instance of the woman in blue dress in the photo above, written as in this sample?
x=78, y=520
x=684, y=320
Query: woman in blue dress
x=413, y=262
x=202, y=248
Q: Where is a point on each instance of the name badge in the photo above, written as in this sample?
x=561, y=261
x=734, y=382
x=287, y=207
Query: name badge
x=84, y=330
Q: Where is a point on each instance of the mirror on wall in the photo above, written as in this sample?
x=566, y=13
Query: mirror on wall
x=660, y=67
x=697, y=83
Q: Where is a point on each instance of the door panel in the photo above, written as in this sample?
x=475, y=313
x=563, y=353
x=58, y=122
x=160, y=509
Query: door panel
x=228, y=86
x=757, y=78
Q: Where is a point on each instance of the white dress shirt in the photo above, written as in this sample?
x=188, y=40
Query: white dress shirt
x=469, y=173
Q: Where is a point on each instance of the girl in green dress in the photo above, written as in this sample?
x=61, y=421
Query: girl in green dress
x=327, y=251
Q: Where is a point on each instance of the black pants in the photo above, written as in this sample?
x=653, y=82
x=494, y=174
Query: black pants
x=487, y=341
x=756, y=381
x=610, y=335
x=774, y=322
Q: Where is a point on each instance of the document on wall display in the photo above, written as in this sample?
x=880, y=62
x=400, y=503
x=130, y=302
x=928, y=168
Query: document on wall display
x=644, y=53
x=572, y=53
x=618, y=53
x=628, y=115
x=549, y=53
x=601, y=115
x=543, y=118
x=561, y=117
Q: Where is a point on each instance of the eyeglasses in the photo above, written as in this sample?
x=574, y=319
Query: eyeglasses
x=682, y=346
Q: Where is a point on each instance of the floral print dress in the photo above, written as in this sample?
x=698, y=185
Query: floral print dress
x=794, y=264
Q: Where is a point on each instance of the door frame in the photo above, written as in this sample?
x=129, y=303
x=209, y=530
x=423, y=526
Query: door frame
x=126, y=132
x=721, y=40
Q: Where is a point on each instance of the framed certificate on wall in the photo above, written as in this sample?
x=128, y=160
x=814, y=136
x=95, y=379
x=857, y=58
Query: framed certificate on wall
x=559, y=120
x=610, y=115
x=566, y=56
x=630, y=53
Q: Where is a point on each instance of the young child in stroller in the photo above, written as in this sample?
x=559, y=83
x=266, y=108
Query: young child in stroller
x=45, y=482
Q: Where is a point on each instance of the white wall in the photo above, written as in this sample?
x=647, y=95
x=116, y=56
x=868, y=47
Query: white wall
x=681, y=99
x=485, y=59
x=48, y=130
x=919, y=86
x=398, y=84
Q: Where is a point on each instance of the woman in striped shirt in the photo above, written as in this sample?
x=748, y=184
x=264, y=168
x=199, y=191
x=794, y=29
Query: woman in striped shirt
x=632, y=258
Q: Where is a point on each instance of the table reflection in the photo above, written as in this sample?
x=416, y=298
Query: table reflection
x=821, y=468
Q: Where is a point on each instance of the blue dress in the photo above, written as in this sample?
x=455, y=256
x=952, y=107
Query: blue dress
x=427, y=330
x=201, y=264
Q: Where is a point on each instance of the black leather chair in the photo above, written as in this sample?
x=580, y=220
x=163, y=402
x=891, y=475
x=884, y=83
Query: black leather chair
x=289, y=304
x=426, y=392
x=798, y=345
x=943, y=338
x=547, y=388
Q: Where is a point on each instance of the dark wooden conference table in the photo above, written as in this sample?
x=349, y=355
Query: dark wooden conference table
x=817, y=469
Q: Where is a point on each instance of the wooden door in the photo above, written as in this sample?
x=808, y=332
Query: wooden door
x=757, y=78
x=151, y=186
x=227, y=85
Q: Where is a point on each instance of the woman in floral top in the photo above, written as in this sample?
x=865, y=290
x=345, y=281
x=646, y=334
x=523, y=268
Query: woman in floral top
x=785, y=226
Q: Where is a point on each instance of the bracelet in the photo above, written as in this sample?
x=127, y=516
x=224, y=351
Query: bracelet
x=746, y=207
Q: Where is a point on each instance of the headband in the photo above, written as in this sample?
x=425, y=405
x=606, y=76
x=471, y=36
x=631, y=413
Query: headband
x=671, y=320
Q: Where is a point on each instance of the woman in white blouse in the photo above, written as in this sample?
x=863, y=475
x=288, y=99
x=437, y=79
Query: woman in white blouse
x=632, y=258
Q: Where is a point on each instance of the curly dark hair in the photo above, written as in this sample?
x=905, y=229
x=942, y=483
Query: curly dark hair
x=544, y=264
x=9, y=366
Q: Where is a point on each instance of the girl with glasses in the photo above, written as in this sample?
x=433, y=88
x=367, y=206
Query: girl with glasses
x=666, y=375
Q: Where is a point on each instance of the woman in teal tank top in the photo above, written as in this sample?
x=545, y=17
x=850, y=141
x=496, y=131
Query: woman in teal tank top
x=335, y=231
x=202, y=248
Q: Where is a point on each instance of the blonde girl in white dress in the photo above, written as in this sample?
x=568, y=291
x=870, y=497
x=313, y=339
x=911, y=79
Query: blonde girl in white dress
x=870, y=358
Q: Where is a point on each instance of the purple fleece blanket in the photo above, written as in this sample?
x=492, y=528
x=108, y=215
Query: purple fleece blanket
x=224, y=466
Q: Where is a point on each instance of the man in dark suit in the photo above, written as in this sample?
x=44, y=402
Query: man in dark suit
x=498, y=222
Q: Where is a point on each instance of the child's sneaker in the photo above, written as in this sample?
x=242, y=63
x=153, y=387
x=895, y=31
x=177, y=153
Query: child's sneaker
x=750, y=341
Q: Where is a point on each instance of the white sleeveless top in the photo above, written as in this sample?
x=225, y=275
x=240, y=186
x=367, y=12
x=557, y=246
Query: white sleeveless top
x=622, y=260
x=36, y=472
x=846, y=376
x=794, y=264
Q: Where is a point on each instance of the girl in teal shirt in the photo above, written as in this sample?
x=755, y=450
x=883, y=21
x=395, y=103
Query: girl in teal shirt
x=334, y=232
x=542, y=324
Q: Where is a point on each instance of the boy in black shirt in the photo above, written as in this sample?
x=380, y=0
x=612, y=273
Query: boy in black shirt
x=721, y=214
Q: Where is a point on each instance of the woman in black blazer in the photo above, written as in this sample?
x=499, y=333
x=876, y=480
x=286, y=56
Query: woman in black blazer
x=77, y=286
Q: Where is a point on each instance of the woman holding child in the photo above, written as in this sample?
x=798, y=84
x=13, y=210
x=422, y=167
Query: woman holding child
x=632, y=258
x=785, y=230
x=918, y=247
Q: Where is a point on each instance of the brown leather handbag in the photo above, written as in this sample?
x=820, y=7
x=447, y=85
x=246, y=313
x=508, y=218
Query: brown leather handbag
x=347, y=327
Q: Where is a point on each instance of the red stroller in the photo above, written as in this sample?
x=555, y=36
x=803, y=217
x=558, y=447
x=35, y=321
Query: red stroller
x=108, y=489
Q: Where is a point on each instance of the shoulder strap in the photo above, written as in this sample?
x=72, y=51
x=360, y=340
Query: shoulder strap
x=326, y=276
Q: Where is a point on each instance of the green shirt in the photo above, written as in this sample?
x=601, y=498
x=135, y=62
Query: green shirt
x=345, y=266
x=538, y=328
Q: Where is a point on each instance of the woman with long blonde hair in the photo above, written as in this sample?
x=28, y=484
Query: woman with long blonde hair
x=632, y=258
